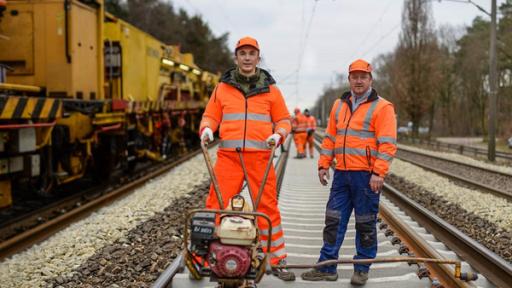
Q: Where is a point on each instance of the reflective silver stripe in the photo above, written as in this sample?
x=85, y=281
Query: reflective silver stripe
x=332, y=138
x=274, y=230
x=338, y=109
x=391, y=140
x=365, y=218
x=369, y=114
x=248, y=144
x=275, y=243
x=353, y=151
x=285, y=120
x=250, y=116
x=327, y=152
x=282, y=131
x=357, y=133
x=278, y=253
x=385, y=157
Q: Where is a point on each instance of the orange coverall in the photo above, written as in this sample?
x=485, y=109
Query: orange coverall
x=246, y=120
x=299, y=124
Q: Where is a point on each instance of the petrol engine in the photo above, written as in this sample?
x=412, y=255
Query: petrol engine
x=229, y=252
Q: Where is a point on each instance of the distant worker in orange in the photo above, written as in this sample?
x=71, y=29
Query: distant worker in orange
x=361, y=136
x=299, y=126
x=250, y=113
x=310, y=130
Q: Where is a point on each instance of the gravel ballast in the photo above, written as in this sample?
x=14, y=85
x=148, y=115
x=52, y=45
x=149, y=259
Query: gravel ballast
x=487, y=206
x=137, y=259
x=487, y=233
x=67, y=250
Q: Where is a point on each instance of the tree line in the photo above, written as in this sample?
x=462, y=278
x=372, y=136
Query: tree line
x=439, y=77
x=161, y=20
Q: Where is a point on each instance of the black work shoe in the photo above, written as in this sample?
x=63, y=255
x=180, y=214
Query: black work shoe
x=359, y=278
x=283, y=273
x=315, y=275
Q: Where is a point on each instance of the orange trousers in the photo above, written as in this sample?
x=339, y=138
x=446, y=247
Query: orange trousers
x=231, y=178
x=300, y=141
x=311, y=144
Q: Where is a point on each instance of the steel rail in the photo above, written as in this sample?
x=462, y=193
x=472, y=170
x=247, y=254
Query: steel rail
x=177, y=265
x=41, y=232
x=420, y=248
x=493, y=267
x=486, y=188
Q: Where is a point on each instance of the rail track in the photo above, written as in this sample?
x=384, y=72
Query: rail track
x=457, y=148
x=32, y=228
x=405, y=229
x=493, y=181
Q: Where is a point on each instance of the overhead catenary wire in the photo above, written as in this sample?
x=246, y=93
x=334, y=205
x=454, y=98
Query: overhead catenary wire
x=381, y=39
x=302, y=51
x=373, y=26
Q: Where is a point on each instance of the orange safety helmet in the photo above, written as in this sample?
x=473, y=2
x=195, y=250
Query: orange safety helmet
x=360, y=65
x=247, y=41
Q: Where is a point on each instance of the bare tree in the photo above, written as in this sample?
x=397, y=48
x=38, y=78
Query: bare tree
x=416, y=63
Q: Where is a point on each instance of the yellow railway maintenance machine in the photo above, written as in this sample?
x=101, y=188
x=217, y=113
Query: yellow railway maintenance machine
x=82, y=91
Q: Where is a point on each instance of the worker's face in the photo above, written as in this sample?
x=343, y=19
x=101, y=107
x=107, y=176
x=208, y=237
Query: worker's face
x=306, y=113
x=360, y=82
x=246, y=59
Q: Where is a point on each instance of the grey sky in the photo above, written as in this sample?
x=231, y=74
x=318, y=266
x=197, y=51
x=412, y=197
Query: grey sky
x=340, y=31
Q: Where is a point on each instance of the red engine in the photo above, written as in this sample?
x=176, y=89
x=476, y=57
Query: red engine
x=229, y=261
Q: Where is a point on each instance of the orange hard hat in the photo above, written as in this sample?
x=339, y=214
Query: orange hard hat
x=247, y=41
x=360, y=65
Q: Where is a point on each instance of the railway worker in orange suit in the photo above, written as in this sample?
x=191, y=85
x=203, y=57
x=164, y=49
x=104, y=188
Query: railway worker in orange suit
x=310, y=130
x=361, y=136
x=250, y=113
x=299, y=125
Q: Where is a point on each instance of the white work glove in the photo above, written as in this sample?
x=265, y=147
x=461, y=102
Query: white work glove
x=207, y=135
x=275, y=138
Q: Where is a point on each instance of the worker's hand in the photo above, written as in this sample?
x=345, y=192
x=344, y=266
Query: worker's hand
x=207, y=135
x=274, y=139
x=323, y=175
x=376, y=183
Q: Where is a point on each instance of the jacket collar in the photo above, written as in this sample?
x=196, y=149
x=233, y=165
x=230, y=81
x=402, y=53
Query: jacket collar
x=372, y=97
x=263, y=83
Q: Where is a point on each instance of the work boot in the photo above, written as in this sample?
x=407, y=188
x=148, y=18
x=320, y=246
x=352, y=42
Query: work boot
x=283, y=273
x=359, y=278
x=315, y=275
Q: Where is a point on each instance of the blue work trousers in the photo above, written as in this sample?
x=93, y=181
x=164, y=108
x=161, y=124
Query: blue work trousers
x=350, y=191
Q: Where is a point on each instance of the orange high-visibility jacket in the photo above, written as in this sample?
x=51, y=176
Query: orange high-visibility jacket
x=310, y=122
x=246, y=121
x=299, y=123
x=361, y=140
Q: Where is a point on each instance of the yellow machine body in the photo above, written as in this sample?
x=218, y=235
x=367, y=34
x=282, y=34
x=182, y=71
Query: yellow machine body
x=80, y=87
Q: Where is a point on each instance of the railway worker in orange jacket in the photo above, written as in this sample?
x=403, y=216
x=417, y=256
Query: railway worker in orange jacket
x=310, y=130
x=361, y=136
x=299, y=126
x=250, y=113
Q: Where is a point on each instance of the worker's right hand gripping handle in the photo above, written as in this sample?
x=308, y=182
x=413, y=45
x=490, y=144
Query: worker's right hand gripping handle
x=212, y=173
